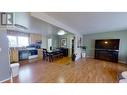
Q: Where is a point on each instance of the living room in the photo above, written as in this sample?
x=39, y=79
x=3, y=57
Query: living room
x=27, y=37
x=61, y=47
x=74, y=54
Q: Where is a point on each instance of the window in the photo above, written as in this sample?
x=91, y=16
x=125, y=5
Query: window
x=23, y=41
x=18, y=41
x=12, y=41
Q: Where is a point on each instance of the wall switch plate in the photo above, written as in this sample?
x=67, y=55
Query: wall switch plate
x=0, y=49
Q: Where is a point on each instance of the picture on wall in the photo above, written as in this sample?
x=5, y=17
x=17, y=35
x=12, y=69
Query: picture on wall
x=63, y=42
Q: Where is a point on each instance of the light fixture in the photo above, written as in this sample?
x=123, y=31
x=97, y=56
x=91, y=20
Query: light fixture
x=106, y=42
x=61, y=32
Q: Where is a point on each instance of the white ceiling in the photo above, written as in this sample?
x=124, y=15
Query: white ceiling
x=92, y=22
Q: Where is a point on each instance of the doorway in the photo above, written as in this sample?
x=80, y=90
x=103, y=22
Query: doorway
x=73, y=45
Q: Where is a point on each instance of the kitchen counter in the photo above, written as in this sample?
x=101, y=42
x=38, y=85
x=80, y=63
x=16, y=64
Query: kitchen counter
x=17, y=54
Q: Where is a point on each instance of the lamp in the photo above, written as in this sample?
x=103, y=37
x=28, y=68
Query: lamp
x=106, y=42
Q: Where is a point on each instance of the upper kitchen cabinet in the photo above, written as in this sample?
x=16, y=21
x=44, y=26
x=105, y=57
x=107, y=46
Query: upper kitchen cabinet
x=21, y=20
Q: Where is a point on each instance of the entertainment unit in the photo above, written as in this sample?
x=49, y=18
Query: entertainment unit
x=107, y=49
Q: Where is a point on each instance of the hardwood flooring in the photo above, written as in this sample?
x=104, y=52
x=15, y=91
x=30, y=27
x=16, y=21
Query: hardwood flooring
x=66, y=71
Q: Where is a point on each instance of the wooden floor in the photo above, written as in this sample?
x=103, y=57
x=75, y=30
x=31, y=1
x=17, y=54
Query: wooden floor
x=65, y=71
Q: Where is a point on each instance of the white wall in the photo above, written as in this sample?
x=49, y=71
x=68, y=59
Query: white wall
x=38, y=26
x=22, y=18
x=4, y=57
x=44, y=41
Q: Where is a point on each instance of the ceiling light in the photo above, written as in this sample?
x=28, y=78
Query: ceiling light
x=61, y=32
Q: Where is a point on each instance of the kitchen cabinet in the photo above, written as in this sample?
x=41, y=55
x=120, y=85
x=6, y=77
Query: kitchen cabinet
x=14, y=56
x=40, y=53
x=34, y=38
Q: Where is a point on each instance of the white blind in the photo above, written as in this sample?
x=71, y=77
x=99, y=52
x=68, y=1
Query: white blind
x=17, y=39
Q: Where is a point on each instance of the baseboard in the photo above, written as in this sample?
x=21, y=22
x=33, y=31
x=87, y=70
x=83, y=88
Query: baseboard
x=120, y=61
x=89, y=57
x=5, y=80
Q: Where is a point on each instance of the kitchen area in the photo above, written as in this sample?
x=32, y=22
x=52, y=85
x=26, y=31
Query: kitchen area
x=33, y=49
x=24, y=34
x=21, y=40
x=28, y=36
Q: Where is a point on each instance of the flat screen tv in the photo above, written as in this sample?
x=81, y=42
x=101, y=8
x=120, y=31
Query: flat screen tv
x=107, y=44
